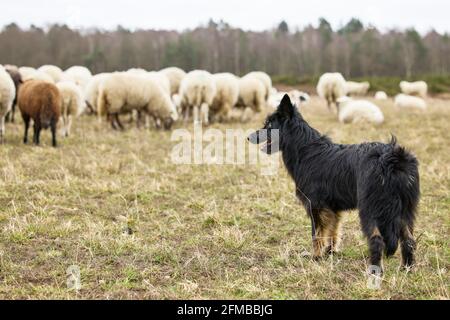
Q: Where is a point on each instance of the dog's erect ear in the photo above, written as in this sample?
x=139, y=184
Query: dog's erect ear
x=286, y=107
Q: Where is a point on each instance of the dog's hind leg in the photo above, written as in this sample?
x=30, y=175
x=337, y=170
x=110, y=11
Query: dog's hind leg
x=408, y=245
x=376, y=244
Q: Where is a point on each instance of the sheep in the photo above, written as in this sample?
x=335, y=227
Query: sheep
x=7, y=96
x=381, y=95
x=124, y=92
x=331, y=86
x=410, y=102
x=297, y=97
x=251, y=96
x=227, y=94
x=162, y=80
x=92, y=89
x=419, y=88
x=72, y=103
x=354, y=111
x=266, y=80
x=79, y=75
x=40, y=101
x=25, y=72
x=159, y=77
x=197, y=92
x=357, y=88
x=17, y=79
x=175, y=76
x=53, y=71
x=38, y=75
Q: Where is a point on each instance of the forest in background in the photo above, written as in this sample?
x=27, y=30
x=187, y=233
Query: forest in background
x=357, y=50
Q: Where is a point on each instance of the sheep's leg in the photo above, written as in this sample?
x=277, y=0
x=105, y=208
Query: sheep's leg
x=131, y=119
x=2, y=129
x=68, y=125
x=121, y=127
x=204, y=109
x=26, y=120
x=186, y=115
x=196, y=115
x=53, y=129
x=113, y=121
x=37, y=133
x=146, y=121
x=157, y=122
x=13, y=112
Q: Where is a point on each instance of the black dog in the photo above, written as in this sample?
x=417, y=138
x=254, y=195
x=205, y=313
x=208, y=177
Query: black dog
x=380, y=180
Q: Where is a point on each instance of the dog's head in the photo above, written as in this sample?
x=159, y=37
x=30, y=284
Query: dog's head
x=272, y=130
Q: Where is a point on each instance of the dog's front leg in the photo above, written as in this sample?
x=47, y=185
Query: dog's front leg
x=318, y=235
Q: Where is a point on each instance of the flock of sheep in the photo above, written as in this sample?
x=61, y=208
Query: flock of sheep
x=49, y=95
x=335, y=89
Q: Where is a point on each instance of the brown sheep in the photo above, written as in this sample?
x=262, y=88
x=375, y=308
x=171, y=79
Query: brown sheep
x=17, y=79
x=40, y=101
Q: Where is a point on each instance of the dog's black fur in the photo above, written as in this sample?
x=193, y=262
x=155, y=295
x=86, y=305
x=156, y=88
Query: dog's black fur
x=380, y=180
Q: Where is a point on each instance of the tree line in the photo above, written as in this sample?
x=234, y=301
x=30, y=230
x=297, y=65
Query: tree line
x=356, y=50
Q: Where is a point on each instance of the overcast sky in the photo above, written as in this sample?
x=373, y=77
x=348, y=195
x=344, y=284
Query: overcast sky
x=248, y=14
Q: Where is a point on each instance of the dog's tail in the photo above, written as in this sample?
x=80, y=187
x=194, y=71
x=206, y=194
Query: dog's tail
x=394, y=189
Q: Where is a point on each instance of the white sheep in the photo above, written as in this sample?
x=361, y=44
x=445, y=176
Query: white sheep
x=357, y=88
x=72, y=104
x=227, y=94
x=355, y=111
x=419, y=88
x=251, y=93
x=381, y=95
x=297, y=97
x=175, y=76
x=79, y=75
x=7, y=95
x=123, y=92
x=159, y=77
x=197, y=92
x=265, y=79
x=331, y=86
x=162, y=80
x=92, y=89
x=53, y=71
x=39, y=75
x=410, y=102
x=26, y=72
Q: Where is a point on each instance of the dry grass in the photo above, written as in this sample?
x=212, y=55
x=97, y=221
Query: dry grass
x=200, y=231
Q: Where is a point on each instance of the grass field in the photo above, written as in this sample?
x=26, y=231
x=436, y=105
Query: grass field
x=141, y=227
